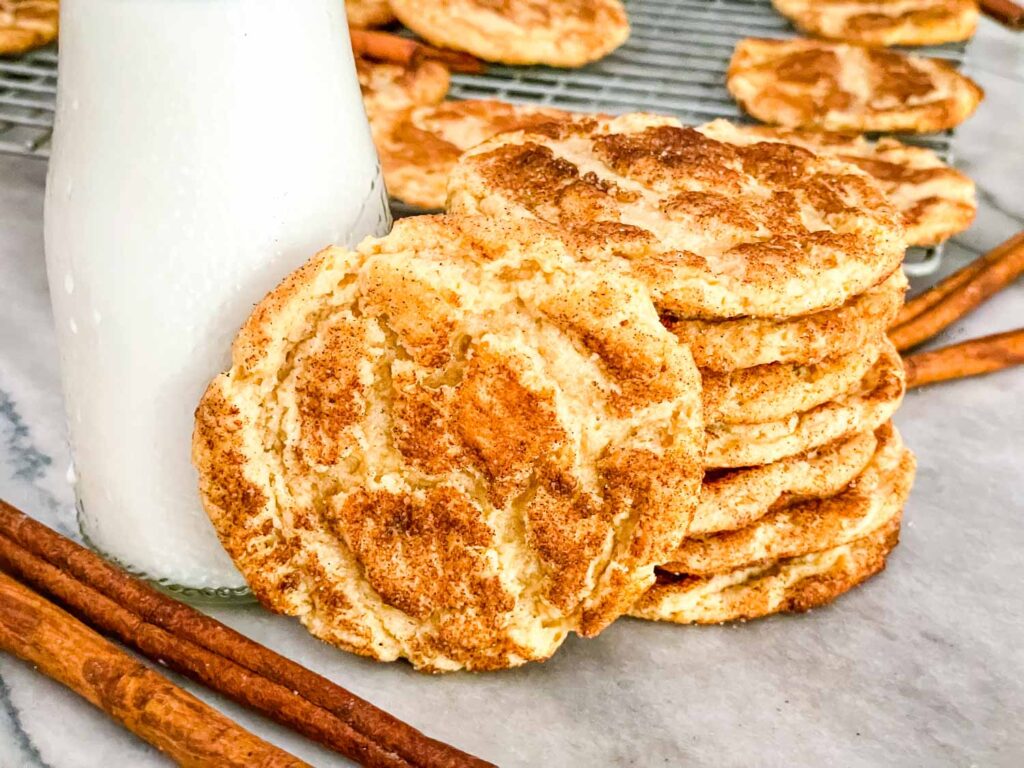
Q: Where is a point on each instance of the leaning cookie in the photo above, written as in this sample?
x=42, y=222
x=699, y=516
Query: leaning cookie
x=559, y=33
x=449, y=451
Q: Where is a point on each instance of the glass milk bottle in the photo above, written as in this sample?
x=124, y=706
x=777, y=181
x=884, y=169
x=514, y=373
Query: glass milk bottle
x=202, y=150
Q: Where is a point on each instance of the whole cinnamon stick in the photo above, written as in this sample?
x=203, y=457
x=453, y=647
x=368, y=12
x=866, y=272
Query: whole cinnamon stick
x=384, y=46
x=196, y=662
x=969, y=358
x=392, y=735
x=1003, y=268
x=1006, y=12
x=148, y=704
x=929, y=298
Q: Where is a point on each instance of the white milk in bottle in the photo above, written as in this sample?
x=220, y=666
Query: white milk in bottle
x=202, y=150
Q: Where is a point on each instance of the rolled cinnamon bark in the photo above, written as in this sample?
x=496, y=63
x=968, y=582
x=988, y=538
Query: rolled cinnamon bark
x=183, y=621
x=194, y=661
x=929, y=298
x=969, y=358
x=145, y=702
x=1001, y=267
x=1006, y=12
x=383, y=46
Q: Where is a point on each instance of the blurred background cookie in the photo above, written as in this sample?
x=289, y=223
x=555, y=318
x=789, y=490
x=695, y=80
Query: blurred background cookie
x=559, y=33
x=27, y=24
x=366, y=14
x=390, y=90
x=419, y=151
x=815, y=84
x=884, y=22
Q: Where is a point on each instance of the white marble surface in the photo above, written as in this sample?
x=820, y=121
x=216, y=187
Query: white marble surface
x=923, y=666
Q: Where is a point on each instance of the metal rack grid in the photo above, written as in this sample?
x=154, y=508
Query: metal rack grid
x=674, y=63
x=28, y=89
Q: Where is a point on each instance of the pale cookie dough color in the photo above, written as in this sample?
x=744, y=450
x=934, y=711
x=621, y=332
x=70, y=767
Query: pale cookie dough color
x=559, y=33
x=418, y=152
x=814, y=84
x=716, y=229
x=884, y=22
x=452, y=452
x=27, y=24
x=936, y=201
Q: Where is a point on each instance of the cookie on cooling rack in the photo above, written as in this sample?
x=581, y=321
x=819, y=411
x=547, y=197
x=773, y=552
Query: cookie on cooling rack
x=390, y=90
x=559, y=33
x=27, y=24
x=452, y=450
x=365, y=14
x=419, y=151
x=833, y=86
x=883, y=22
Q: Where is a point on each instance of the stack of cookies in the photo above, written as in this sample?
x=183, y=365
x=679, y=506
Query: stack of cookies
x=781, y=271
x=638, y=368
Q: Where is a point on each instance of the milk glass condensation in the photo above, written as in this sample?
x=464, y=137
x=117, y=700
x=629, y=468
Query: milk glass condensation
x=202, y=150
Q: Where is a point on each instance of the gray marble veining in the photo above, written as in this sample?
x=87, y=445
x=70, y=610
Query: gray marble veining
x=923, y=666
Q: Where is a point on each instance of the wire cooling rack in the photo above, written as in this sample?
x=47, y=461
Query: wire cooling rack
x=673, y=63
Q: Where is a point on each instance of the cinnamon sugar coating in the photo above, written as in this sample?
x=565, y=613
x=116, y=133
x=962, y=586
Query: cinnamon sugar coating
x=715, y=228
x=794, y=528
x=791, y=585
x=862, y=408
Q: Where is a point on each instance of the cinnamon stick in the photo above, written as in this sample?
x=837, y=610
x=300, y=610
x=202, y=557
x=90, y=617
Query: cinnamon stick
x=354, y=717
x=384, y=46
x=1006, y=12
x=1002, y=266
x=201, y=665
x=928, y=299
x=188, y=731
x=968, y=358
